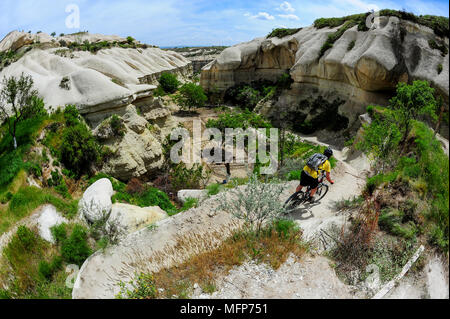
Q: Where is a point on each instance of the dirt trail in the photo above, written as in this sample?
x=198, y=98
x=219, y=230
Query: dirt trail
x=175, y=239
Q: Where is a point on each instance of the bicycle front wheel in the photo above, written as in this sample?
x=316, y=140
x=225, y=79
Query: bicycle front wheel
x=293, y=201
x=322, y=190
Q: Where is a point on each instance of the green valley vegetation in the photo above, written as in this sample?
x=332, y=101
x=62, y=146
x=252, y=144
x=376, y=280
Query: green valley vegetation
x=407, y=196
x=248, y=95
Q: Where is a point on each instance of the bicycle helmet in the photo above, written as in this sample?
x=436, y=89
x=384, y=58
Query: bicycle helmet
x=328, y=152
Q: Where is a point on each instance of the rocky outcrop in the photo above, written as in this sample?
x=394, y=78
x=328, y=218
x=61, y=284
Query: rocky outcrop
x=365, y=73
x=104, y=82
x=135, y=155
x=96, y=201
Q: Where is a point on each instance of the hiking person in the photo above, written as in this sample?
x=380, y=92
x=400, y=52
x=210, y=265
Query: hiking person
x=310, y=174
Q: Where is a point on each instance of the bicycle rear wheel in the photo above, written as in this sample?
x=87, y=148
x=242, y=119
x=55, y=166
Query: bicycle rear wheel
x=322, y=190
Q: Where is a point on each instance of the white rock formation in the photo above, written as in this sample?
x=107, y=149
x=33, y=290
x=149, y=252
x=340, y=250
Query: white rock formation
x=96, y=200
x=364, y=74
x=109, y=79
x=48, y=218
x=135, y=155
x=128, y=218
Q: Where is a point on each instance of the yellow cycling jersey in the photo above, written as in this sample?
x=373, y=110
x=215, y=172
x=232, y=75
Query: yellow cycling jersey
x=315, y=174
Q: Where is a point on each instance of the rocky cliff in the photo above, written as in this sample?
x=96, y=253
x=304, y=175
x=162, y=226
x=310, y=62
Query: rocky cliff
x=360, y=68
x=102, y=76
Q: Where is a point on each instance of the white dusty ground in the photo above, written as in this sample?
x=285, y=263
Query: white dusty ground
x=310, y=278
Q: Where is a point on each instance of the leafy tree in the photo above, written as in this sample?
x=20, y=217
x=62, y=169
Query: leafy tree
x=381, y=139
x=53, y=34
x=18, y=93
x=191, y=95
x=169, y=82
x=412, y=102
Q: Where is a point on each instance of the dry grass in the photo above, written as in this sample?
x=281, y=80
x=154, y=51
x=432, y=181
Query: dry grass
x=272, y=246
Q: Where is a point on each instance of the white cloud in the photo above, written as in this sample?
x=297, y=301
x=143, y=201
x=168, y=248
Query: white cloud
x=263, y=16
x=289, y=16
x=286, y=7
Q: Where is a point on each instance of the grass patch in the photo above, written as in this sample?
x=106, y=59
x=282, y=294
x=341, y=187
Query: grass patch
x=29, y=198
x=271, y=246
x=33, y=268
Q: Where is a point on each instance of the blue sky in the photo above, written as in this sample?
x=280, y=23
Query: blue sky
x=195, y=22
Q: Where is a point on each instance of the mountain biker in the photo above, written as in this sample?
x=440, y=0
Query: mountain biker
x=310, y=177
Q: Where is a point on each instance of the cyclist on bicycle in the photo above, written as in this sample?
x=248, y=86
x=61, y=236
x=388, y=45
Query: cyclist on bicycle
x=310, y=176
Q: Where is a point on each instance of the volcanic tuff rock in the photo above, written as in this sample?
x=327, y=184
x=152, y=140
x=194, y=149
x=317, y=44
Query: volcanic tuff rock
x=107, y=80
x=129, y=219
x=360, y=75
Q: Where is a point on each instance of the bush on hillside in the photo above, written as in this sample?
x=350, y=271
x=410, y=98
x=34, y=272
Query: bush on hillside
x=78, y=149
x=168, y=82
x=75, y=248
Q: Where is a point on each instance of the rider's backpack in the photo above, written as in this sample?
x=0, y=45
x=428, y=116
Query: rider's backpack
x=315, y=161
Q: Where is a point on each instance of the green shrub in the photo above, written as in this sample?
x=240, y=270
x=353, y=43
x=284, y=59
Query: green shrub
x=440, y=68
x=213, y=189
x=117, y=126
x=351, y=45
x=285, y=227
x=237, y=119
x=282, y=32
x=142, y=287
x=71, y=115
x=78, y=149
x=10, y=165
x=191, y=96
x=154, y=197
x=26, y=237
x=294, y=175
x=75, y=249
x=169, y=82
x=195, y=177
x=188, y=204
x=59, y=232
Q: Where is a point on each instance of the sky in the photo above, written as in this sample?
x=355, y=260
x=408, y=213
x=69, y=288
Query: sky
x=168, y=23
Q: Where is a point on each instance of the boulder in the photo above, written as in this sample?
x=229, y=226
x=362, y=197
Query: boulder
x=96, y=200
x=48, y=218
x=127, y=219
x=184, y=194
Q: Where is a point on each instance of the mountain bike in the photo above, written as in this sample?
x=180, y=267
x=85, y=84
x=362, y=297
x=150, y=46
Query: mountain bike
x=302, y=196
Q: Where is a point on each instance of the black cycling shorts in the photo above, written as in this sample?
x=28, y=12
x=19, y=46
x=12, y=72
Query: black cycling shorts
x=306, y=180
